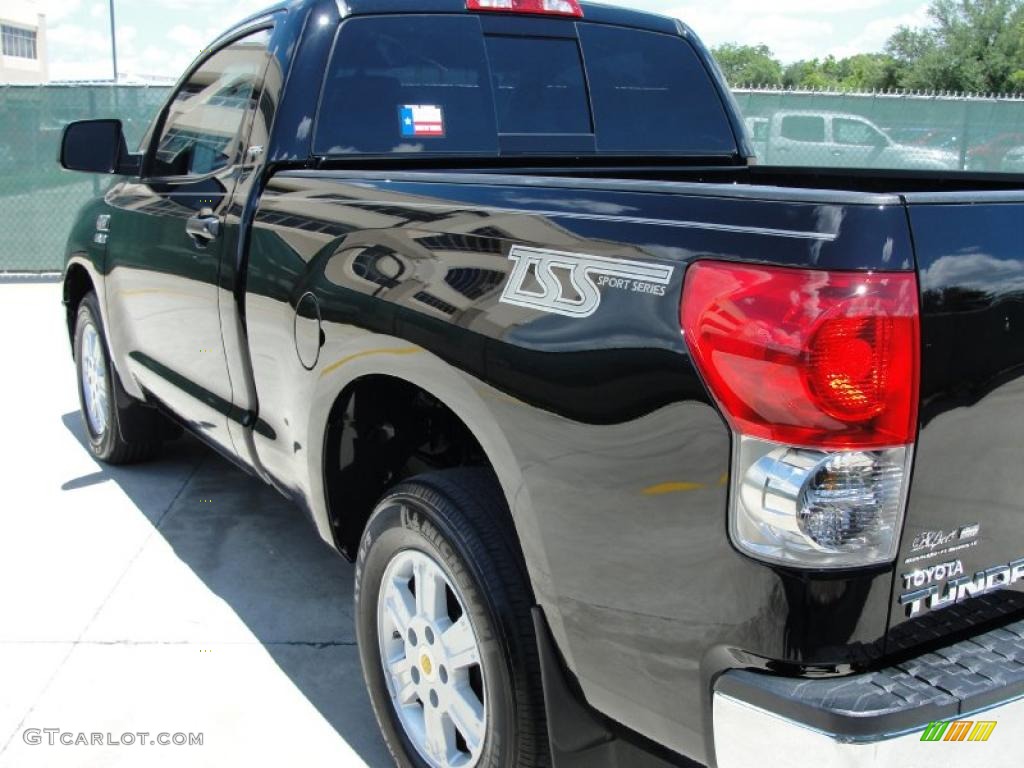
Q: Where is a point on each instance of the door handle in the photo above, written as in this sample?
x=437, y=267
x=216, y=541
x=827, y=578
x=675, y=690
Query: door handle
x=203, y=227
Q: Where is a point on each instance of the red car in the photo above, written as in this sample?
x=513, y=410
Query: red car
x=989, y=156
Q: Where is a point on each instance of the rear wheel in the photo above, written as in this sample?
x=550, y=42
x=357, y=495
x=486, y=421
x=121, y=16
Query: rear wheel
x=443, y=621
x=107, y=411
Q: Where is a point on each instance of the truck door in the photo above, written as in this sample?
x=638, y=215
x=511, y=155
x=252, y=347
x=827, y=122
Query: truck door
x=168, y=237
x=856, y=143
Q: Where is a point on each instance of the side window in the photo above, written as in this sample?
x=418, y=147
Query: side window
x=804, y=128
x=407, y=84
x=201, y=133
x=856, y=133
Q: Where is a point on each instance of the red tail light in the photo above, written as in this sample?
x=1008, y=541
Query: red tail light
x=807, y=357
x=548, y=7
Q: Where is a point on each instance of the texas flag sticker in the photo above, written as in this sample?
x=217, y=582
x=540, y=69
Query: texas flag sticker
x=421, y=120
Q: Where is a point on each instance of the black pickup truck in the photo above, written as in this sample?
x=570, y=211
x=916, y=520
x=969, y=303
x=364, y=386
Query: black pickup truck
x=645, y=453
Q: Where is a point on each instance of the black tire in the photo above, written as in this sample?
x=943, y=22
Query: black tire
x=123, y=416
x=461, y=520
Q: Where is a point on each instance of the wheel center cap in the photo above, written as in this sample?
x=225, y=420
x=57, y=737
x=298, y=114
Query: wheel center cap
x=427, y=665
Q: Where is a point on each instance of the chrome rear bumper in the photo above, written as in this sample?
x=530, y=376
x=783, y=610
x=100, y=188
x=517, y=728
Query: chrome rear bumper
x=963, y=704
x=747, y=736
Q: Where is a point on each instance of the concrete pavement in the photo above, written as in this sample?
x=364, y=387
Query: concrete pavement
x=180, y=596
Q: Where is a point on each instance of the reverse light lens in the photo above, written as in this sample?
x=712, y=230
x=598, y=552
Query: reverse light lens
x=849, y=498
x=807, y=357
x=819, y=509
x=550, y=7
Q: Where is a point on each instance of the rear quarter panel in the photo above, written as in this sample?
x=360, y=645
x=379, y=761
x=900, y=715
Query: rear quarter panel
x=613, y=459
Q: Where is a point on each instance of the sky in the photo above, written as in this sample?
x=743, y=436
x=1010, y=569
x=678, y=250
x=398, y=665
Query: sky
x=161, y=37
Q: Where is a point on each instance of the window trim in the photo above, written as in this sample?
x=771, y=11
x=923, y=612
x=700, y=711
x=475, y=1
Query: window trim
x=157, y=129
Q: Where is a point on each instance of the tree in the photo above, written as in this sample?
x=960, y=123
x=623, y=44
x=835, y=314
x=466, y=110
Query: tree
x=973, y=45
x=807, y=75
x=970, y=46
x=908, y=45
x=869, y=72
x=749, y=64
x=863, y=72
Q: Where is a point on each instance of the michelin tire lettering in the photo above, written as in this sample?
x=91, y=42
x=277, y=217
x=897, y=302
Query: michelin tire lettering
x=587, y=275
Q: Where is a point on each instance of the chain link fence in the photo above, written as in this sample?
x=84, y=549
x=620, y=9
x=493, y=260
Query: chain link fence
x=885, y=130
x=38, y=200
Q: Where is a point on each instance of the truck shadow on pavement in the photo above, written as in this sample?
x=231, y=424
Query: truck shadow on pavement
x=264, y=558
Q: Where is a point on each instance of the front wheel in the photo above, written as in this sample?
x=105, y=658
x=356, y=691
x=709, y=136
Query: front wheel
x=107, y=421
x=443, y=622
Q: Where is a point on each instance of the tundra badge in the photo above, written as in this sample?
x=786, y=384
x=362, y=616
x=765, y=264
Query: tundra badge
x=937, y=595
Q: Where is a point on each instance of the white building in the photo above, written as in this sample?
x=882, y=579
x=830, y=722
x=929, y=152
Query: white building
x=22, y=42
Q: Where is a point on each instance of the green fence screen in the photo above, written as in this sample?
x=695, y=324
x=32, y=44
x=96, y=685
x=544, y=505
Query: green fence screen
x=38, y=201
x=902, y=131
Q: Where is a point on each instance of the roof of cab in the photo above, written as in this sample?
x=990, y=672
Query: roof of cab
x=592, y=12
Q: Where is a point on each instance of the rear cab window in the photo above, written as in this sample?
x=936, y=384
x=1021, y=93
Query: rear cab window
x=395, y=83
x=651, y=94
x=467, y=84
x=538, y=85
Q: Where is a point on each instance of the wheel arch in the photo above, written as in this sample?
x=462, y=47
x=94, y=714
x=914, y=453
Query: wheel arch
x=410, y=384
x=77, y=283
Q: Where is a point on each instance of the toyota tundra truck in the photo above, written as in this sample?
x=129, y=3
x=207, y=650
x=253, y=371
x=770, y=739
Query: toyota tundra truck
x=644, y=453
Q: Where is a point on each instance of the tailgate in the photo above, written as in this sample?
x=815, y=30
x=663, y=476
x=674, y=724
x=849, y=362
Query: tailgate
x=961, y=559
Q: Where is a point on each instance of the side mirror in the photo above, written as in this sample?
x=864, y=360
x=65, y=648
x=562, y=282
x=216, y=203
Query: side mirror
x=96, y=146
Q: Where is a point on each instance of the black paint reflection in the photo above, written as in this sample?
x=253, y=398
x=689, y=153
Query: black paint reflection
x=970, y=449
x=973, y=307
